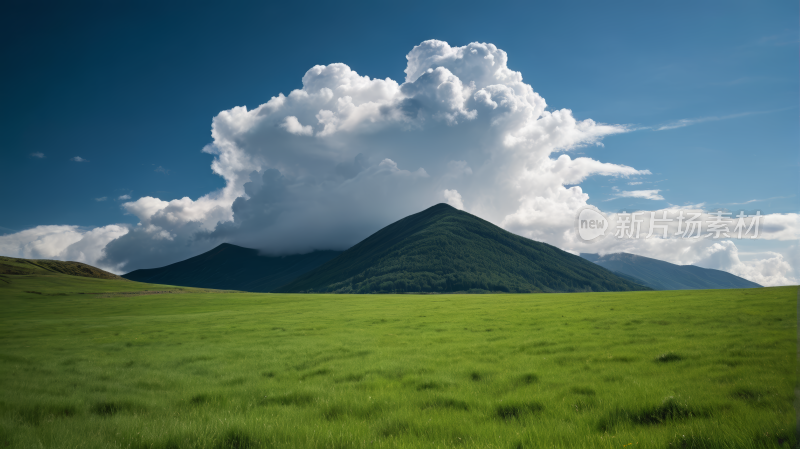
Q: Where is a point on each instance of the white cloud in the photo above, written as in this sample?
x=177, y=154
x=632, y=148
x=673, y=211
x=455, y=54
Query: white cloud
x=328, y=164
x=102, y=198
x=643, y=194
x=63, y=243
x=634, y=183
x=38, y=155
x=357, y=153
x=293, y=125
x=78, y=159
x=759, y=200
x=123, y=198
x=772, y=268
x=688, y=122
x=453, y=198
x=161, y=169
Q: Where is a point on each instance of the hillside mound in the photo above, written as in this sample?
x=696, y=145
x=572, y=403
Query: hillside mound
x=231, y=267
x=15, y=266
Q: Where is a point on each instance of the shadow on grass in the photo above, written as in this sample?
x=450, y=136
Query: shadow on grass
x=529, y=378
x=395, y=428
x=444, y=402
x=110, y=408
x=668, y=357
x=39, y=413
x=669, y=410
x=201, y=399
x=517, y=410
x=236, y=439
x=295, y=398
x=749, y=395
x=584, y=391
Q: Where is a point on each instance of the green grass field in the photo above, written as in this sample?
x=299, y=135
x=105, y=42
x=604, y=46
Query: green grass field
x=91, y=363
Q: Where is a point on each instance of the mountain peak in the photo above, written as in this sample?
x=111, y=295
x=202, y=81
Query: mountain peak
x=443, y=249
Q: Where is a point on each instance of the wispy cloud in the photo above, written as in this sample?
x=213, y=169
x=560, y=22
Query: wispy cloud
x=634, y=183
x=688, y=122
x=161, y=169
x=124, y=198
x=778, y=40
x=693, y=121
x=79, y=159
x=758, y=200
x=102, y=198
x=38, y=155
x=642, y=194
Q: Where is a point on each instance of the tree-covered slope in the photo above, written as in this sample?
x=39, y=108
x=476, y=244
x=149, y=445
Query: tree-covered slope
x=660, y=275
x=231, y=267
x=442, y=249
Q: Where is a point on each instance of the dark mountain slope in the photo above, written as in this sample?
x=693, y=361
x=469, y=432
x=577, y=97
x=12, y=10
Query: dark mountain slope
x=660, y=275
x=231, y=267
x=442, y=249
x=14, y=266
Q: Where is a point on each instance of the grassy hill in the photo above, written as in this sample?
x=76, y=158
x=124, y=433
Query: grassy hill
x=94, y=363
x=660, y=275
x=232, y=267
x=14, y=266
x=442, y=249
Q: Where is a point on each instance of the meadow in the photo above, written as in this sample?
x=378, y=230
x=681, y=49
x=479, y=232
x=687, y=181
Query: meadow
x=91, y=363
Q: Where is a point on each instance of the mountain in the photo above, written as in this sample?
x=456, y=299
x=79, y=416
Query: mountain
x=14, y=266
x=442, y=249
x=231, y=267
x=660, y=275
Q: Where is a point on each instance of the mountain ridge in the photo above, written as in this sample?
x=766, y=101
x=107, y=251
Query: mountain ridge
x=442, y=249
x=232, y=267
x=660, y=275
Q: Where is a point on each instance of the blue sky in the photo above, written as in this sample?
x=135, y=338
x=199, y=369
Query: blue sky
x=131, y=88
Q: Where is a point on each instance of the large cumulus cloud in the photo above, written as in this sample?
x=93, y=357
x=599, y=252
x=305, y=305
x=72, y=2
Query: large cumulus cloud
x=326, y=165
x=330, y=163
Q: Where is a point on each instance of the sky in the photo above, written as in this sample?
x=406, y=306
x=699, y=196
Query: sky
x=138, y=134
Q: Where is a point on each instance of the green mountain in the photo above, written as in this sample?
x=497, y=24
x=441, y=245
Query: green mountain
x=231, y=267
x=660, y=275
x=442, y=249
x=14, y=266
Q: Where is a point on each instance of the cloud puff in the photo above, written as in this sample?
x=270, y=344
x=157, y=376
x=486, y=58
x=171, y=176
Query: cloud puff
x=123, y=198
x=38, y=155
x=293, y=125
x=102, y=198
x=78, y=159
x=453, y=198
x=328, y=164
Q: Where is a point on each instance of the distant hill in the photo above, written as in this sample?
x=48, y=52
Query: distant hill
x=231, y=267
x=660, y=275
x=14, y=266
x=442, y=249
